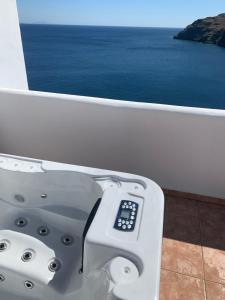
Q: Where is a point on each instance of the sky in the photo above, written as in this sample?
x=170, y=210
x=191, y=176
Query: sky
x=143, y=13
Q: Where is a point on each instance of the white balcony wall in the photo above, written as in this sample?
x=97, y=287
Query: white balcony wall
x=12, y=66
x=180, y=148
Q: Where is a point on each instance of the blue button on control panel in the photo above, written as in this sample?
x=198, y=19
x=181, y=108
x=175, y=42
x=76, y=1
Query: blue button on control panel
x=126, y=217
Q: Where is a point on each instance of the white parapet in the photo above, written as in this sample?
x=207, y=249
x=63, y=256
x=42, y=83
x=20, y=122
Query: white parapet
x=12, y=66
x=178, y=147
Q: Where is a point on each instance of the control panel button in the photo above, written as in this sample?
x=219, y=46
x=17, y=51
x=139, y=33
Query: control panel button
x=126, y=216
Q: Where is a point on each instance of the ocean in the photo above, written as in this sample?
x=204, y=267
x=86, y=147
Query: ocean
x=133, y=64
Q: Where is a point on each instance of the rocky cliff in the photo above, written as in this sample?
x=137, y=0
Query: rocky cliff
x=209, y=30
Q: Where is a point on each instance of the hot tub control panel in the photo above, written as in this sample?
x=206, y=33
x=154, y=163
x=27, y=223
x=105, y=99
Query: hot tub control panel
x=127, y=215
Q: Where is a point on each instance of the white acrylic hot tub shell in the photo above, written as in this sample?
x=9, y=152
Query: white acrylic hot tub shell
x=129, y=262
x=143, y=247
x=103, y=243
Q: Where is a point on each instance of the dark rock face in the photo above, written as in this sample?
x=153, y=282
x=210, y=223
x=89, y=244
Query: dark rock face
x=209, y=30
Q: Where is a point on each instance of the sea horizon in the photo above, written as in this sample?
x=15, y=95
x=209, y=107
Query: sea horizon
x=92, y=25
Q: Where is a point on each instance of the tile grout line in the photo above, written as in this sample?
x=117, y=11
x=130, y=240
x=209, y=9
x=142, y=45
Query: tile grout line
x=201, y=241
x=211, y=281
x=192, y=276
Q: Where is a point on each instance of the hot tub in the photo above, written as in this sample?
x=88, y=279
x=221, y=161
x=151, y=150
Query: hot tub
x=70, y=232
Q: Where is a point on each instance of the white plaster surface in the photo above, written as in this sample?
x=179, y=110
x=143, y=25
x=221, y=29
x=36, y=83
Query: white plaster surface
x=12, y=66
x=180, y=148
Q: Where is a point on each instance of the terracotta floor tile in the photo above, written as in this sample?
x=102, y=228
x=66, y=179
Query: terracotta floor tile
x=182, y=241
x=215, y=291
x=212, y=218
x=214, y=264
x=180, y=287
x=182, y=258
x=193, y=228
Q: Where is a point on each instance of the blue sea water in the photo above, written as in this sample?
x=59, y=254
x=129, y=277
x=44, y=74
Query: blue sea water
x=136, y=64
